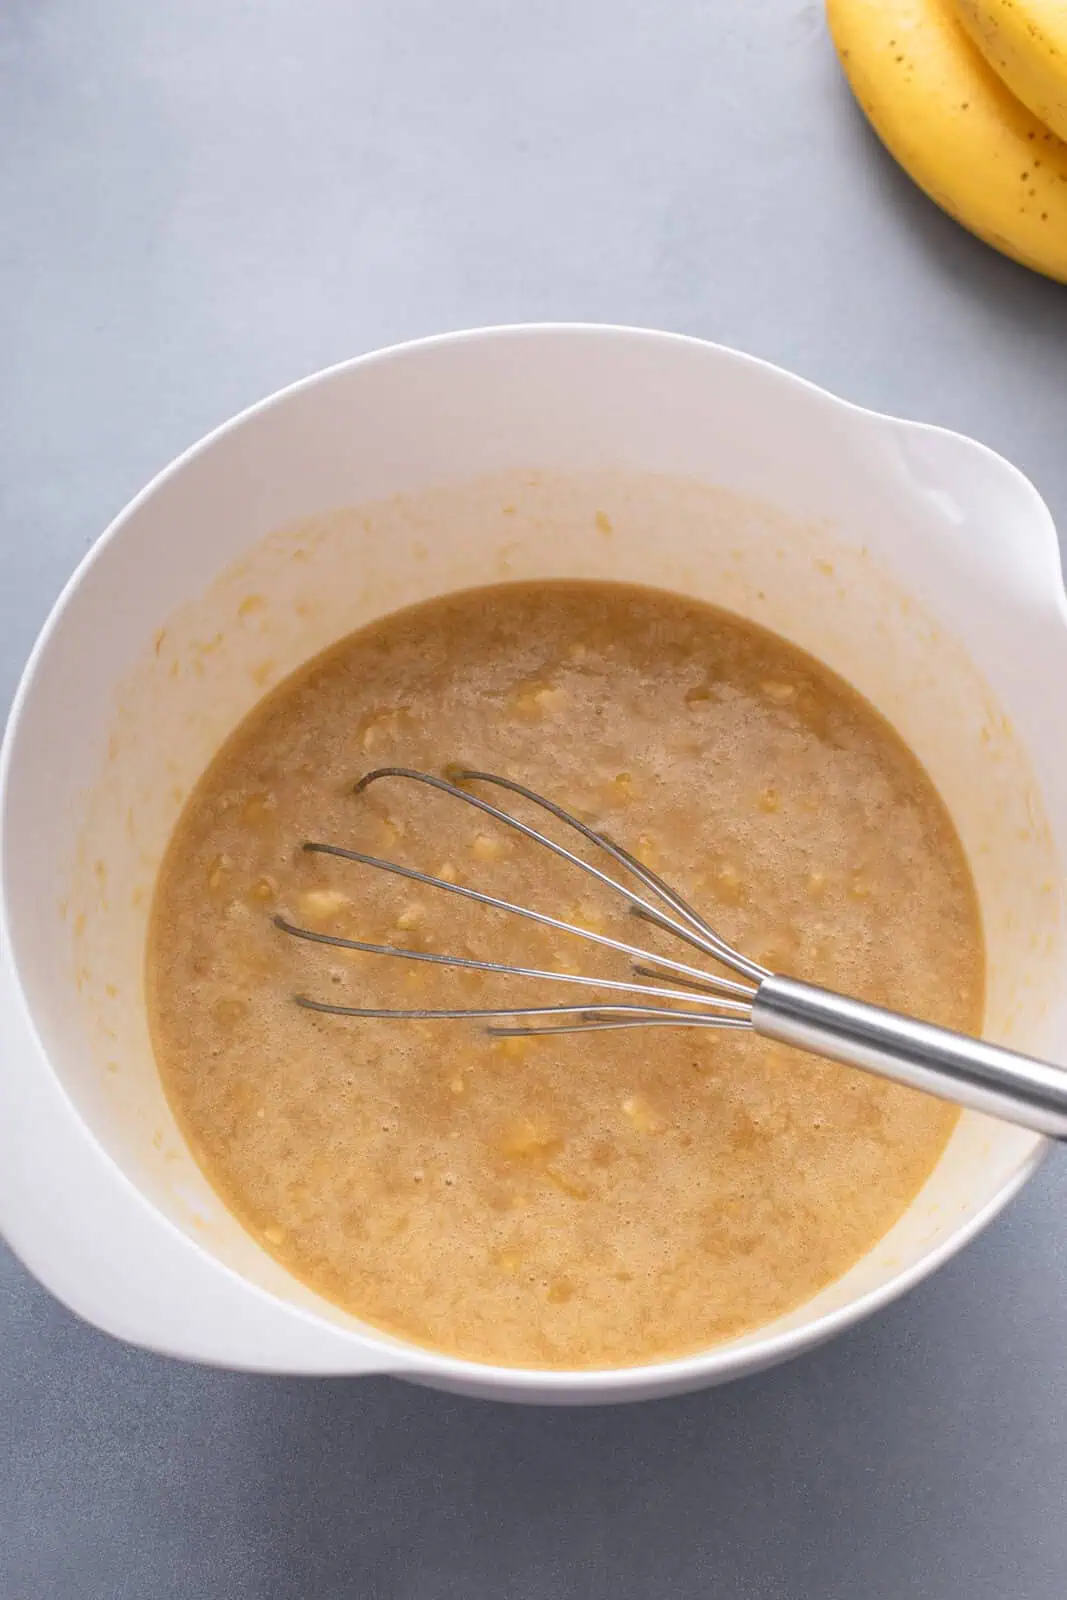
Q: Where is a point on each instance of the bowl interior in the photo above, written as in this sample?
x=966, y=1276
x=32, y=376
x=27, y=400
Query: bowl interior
x=318, y=514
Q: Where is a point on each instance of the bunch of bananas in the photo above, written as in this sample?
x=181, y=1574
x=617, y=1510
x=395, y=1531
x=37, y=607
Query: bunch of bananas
x=970, y=96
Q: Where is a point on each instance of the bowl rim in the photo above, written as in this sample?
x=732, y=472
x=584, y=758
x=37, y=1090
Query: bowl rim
x=737, y=1358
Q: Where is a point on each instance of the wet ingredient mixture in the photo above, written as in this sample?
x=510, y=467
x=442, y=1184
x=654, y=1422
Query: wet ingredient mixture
x=568, y=1202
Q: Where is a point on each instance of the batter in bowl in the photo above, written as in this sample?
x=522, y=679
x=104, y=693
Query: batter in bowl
x=570, y=1202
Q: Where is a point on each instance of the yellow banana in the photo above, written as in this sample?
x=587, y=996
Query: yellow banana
x=950, y=122
x=1025, y=42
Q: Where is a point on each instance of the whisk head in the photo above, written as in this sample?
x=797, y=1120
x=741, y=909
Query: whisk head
x=701, y=998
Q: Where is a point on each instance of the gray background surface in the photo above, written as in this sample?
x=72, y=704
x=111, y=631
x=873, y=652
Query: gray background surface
x=202, y=201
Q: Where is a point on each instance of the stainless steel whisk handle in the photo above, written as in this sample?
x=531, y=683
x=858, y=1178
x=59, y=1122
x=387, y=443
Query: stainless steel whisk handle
x=983, y=1077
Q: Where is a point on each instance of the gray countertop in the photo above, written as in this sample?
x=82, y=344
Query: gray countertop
x=201, y=202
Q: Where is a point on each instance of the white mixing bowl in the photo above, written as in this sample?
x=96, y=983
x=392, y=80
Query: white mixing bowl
x=918, y=564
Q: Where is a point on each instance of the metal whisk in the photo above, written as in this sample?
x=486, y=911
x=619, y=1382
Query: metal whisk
x=673, y=993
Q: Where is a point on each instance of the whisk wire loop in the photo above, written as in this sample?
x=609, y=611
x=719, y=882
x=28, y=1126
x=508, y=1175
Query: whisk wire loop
x=714, y=1000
